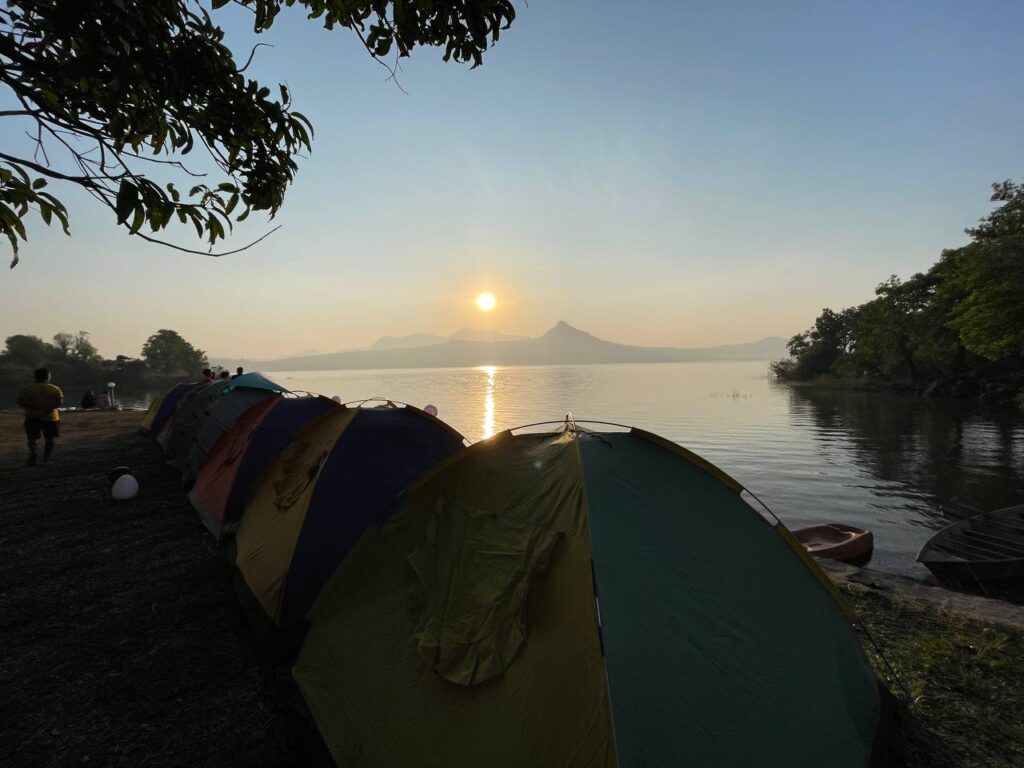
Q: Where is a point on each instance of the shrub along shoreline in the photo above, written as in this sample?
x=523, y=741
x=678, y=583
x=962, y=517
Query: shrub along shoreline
x=1006, y=391
x=76, y=366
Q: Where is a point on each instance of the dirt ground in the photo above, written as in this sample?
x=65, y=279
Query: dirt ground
x=121, y=641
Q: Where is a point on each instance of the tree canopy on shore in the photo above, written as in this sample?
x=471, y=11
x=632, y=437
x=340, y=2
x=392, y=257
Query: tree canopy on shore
x=166, y=351
x=112, y=92
x=960, y=320
x=74, y=360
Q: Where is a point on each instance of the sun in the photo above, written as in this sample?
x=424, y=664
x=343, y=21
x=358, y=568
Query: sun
x=485, y=301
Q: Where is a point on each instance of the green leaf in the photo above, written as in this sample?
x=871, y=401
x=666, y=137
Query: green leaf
x=62, y=215
x=138, y=220
x=127, y=199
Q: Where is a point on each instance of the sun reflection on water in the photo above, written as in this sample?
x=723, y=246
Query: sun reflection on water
x=488, y=424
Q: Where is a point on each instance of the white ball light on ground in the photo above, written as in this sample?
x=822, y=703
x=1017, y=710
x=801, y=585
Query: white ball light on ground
x=124, y=488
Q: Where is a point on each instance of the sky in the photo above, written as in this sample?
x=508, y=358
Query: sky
x=663, y=173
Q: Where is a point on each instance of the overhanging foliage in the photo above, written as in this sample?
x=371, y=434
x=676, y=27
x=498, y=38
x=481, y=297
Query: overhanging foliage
x=117, y=94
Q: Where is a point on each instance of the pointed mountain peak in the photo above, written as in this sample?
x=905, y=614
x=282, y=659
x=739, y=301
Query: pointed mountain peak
x=562, y=330
x=465, y=332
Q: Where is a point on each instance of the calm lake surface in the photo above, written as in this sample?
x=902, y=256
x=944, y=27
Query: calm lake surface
x=890, y=463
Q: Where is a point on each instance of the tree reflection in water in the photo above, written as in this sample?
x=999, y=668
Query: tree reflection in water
x=931, y=456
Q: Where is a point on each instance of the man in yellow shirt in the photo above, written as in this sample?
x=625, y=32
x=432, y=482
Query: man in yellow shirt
x=41, y=401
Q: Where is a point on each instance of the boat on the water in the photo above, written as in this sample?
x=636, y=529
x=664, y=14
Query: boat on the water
x=836, y=541
x=983, y=554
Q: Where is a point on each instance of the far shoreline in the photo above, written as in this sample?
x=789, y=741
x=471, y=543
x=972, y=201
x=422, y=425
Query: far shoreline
x=993, y=393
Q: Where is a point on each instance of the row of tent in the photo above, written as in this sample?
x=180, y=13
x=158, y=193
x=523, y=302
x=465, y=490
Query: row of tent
x=560, y=595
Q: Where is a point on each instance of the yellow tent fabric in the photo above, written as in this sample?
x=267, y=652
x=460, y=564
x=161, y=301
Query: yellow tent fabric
x=583, y=599
x=450, y=580
x=154, y=406
x=274, y=515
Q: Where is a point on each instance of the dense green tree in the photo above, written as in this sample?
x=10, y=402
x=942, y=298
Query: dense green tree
x=1007, y=219
x=986, y=279
x=83, y=350
x=75, y=347
x=897, y=334
x=63, y=341
x=963, y=318
x=166, y=351
x=817, y=349
x=25, y=350
x=990, y=316
x=113, y=91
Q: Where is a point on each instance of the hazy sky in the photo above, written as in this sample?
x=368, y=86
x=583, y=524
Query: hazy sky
x=685, y=173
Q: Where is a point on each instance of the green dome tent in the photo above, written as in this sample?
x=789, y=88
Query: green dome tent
x=578, y=598
x=186, y=442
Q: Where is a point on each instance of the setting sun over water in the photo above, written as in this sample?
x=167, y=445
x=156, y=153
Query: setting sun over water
x=485, y=301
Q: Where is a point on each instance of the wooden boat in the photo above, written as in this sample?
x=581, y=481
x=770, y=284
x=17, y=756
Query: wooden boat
x=836, y=541
x=983, y=554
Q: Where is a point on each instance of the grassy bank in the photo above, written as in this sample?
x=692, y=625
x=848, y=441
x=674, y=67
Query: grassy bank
x=965, y=679
x=123, y=643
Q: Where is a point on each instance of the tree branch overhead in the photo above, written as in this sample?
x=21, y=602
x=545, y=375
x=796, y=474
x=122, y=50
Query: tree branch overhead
x=120, y=90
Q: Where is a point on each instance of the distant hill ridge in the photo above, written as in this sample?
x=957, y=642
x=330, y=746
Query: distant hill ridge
x=429, y=339
x=562, y=344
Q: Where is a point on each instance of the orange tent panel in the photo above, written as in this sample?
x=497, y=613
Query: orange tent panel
x=209, y=495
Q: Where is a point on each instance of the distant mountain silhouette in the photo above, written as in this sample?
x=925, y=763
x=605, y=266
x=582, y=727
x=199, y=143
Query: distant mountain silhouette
x=472, y=334
x=562, y=344
x=429, y=339
x=408, y=342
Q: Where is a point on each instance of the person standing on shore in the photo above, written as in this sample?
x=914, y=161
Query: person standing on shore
x=40, y=401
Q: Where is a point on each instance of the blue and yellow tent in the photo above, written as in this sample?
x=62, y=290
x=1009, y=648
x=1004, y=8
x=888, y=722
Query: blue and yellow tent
x=578, y=598
x=151, y=411
x=341, y=472
x=163, y=406
x=235, y=465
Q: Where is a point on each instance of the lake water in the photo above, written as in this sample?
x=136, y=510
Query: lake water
x=890, y=463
